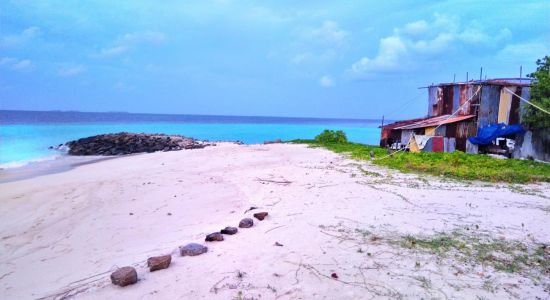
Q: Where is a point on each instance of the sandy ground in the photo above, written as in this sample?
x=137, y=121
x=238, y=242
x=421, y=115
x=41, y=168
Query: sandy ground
x=62, y=234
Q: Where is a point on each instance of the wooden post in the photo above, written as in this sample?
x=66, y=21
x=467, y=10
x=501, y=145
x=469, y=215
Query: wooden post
x=382, y=130
x=480, y=73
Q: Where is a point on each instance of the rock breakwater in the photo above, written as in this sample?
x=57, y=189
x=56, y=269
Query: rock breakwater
x=127, y=143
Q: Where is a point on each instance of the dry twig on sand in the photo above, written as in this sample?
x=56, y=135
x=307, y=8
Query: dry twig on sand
x=281, y=182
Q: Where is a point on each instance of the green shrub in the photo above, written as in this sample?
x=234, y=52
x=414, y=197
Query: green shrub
x=457, y=164
x=331, y=137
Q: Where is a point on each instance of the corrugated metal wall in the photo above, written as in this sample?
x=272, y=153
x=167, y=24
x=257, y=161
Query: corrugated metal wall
x=525, y=94
x=446, y=106
x=435, y=95
x=488, y=110
x=406, y=136
x=514, y=107
x=504, y=105
x=456, y=97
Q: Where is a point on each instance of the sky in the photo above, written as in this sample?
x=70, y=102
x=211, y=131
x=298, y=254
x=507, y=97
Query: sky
x=312, y=58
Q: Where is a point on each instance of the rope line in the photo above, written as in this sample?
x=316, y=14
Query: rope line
x=458, y=109
x=527, y=101
x=404, y=105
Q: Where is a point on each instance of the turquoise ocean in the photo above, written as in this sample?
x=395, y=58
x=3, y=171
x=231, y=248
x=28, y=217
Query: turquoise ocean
x=25, y=136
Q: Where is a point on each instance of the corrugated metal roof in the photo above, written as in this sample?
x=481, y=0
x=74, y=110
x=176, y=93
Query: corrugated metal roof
x=495, y=81
x=434, y=121
x=401, y=123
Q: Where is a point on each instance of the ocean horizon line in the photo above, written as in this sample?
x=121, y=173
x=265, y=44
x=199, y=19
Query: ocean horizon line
x=251, y=117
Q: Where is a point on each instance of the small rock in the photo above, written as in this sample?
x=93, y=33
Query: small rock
x=278, y=244
x=246, y=223
x=261, y=215
x=251, y=208
x=229, y=230
x=334, y=275
x=159, y=262
x=124, y=276
x=214, y=237
x=193, y=249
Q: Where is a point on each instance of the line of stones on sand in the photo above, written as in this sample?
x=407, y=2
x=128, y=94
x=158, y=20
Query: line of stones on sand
x=128, y=275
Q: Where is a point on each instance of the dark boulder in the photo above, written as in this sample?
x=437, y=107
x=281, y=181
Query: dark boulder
x=261, y=215
x=193, y=249
x=246, y=223
x=229, y=230
x=159, y=262
x=214, y=237
x=124, y=276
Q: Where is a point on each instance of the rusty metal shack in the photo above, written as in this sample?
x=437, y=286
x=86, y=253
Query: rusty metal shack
x=456, y=111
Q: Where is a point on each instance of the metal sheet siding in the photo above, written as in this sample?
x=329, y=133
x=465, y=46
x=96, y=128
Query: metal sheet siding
x=451, y=145
x=463, y=96
x=438, y=144
x=456, y=98
x=447, y=104
x=525, y=94
x=435, y=95
x=432, y=99
x=514, y=107
x=504, y=105
x=406, y=136
x=490, y=100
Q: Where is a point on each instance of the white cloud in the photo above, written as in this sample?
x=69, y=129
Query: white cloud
x=326, y=81
x=421, y=41
x=523, y=53
x=15, y=64
x=319, y=44
x=123, y=87
x=131, y=41
x=22, y=65
x=71, y=71
x=147, y=37
x=390, y=54
x=17, y=40
x=416, y=28
x=7, y=61
x=113, y=51
x=329, y=34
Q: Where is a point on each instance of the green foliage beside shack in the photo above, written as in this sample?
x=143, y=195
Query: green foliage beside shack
x=457, y=165
x=540, y=96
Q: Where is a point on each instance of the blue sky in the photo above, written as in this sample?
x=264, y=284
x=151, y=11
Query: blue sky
x=350, y=59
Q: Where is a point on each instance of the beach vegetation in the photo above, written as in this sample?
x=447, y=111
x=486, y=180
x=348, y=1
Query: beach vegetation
x=540, y=96
x=331, y=137
x=457, y=165
x=503, y=255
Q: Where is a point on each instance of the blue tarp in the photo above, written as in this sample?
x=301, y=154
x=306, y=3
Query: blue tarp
x=486, y=135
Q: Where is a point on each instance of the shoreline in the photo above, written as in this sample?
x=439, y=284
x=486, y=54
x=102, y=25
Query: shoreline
x=59, y=164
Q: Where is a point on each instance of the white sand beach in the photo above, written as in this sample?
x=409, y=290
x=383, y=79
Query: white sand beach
x=341, y=224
